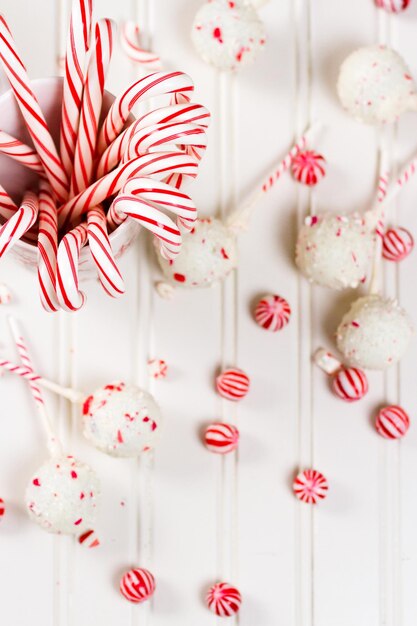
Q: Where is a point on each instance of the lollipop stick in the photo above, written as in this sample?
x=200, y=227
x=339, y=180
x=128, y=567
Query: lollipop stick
x=28, y=374
x=54, y=445
x=239, y=219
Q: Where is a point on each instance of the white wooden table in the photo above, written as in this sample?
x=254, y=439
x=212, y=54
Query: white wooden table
x=189, y=516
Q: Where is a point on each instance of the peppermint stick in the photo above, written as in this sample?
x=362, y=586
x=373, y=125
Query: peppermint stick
x=69, y=296
x=20, y=222
x=29, y=374
x=78, y=43
x=32, y=114
x=54, y=445
x=239, y=219
x=91, y=106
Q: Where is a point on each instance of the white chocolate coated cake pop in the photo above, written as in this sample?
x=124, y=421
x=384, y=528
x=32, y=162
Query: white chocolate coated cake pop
x=374, y=333
x=62, y=496
x=335, y=251
x=375, y=85
x=121, y=420
x=228, y=34
x=208, y=254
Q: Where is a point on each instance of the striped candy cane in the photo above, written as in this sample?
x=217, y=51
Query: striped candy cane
x=47, y=249
x=158, y=166
x=7, y=206
x=150, y=86
x=153, y=138
x=20, y=152
x=69, y=296
x=32, y=114
x=20, y=222
x=54, y=444
x=91, y=106
x=164, y=196
x=131, y=45
x=74, y=77
x=98, y=239
x=180, y=113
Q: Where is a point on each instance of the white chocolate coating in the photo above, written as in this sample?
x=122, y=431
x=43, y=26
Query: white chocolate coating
x=374, y=333
x=375, y=85
x=121, y=420
x=228, y=34
x=335, y=251
x=62, y=496
x=208, y=254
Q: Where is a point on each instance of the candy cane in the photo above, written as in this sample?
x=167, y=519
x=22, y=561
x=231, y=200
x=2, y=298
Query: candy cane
x=142, y=200
x=157, y=165
x=19, y=370
x=33, y=116
x=130, y=40
x=156, y=84
x=152, y=138
x=69, y=296
x=20, y=152
x=7, y=206
x=54, y=444
x=239, y=219
x=185, y=113
x=47, y=249
x=109, y=275
x=74, y=77
x=20, y=222
x=91, y=106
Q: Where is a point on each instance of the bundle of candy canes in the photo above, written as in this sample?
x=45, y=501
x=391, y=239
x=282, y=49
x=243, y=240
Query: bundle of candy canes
x=102, y=173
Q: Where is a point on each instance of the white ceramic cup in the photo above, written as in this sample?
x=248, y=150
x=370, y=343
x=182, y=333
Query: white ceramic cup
x=16, y=178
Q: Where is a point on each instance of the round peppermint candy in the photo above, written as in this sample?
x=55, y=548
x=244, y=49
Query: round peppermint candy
x=233, y=384
x=308, y=167
x=137, y=585
x=272, y=312
x=310, y=486
x=350, y=384
x=392, y=422
x=223, y=599
x=397, y=244
x=221, y=438
x=392, y=6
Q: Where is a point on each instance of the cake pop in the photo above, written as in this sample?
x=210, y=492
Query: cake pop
x=62, y=494
x=374, y=333
x=335, y=251
x=375, y=85
x=119, y=419
x=227, y=34
x=208, y=254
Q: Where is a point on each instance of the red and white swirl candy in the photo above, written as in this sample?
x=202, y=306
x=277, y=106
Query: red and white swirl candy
x=308, y=167
x=221, y=438
x=233, y=384
x=224, y=599
x=392, y=422
x=272, y=312
x=137, y=585
x=392, y=6
x=397, y=244
x=350, y=384
x=310, y=486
